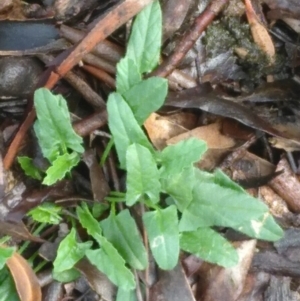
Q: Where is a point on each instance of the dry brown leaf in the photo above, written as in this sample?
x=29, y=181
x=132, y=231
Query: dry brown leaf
x=250, y=166
x=172, y=285
x=211, y=134
x=162, y=128
x=26, y=282
x=259, y=33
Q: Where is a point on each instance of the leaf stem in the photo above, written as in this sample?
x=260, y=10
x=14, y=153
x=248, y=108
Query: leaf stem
x=106, y=151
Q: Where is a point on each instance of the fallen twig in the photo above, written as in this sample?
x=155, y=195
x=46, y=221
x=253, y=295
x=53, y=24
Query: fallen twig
x=189, y=39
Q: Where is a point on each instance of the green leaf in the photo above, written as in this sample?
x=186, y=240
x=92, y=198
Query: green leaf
x=53, y=127
x=181, y=155
x=46, y=213
x=146, y=97
x=29, y=168
x=60, y=166
x=180, y=187
x=127, y=75
x=108, y=261
x=69, y=252
x=126, y=295
x=163, y=235
x=98, y=209
x=122, y=232
x=88, y=221
x=145, y=39
x=124, y=127
x=8, y=290
x=223, y=180
x=66, y=276
x=5, y=253
x=209, y=246
x=214, y=205
x=142, y=175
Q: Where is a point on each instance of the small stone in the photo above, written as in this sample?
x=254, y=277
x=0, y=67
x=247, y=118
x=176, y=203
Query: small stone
x=18, y=76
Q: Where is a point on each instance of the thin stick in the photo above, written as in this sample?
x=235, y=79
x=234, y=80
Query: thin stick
x=189, y=39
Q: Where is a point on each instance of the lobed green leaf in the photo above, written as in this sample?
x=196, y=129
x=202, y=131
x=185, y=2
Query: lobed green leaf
x=142, y=175
x=53, y=126
x=146, y=97
x=145, y=40
x=87, y=220
x=180, y=187
x=60, y=166
x=124, y=127
x=46, y=213
x=66, y=276
x=5, y=253
x=163, y=235
x=128, y=75
x=209, y=246
x=109, y=261
x=214, y=205
x=174, y=158
x=69, y=252
x=121, y=230
x=29, y=168
x=126, y=295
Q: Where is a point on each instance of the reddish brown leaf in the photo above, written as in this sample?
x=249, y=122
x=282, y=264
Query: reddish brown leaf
x=25, y=279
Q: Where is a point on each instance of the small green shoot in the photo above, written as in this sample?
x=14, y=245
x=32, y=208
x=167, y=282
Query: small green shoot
x=58, y=141
x=29, y=168
x=48, y=213
x=69, y=252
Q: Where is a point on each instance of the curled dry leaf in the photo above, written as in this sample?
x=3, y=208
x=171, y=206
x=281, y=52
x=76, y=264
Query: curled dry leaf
x=26, y=282
x=209, y=133
x=260, y=34
x=251, y=171
x=162, y=128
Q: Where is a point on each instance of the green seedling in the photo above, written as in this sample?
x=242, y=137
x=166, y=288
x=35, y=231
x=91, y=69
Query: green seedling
x=182, y=204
